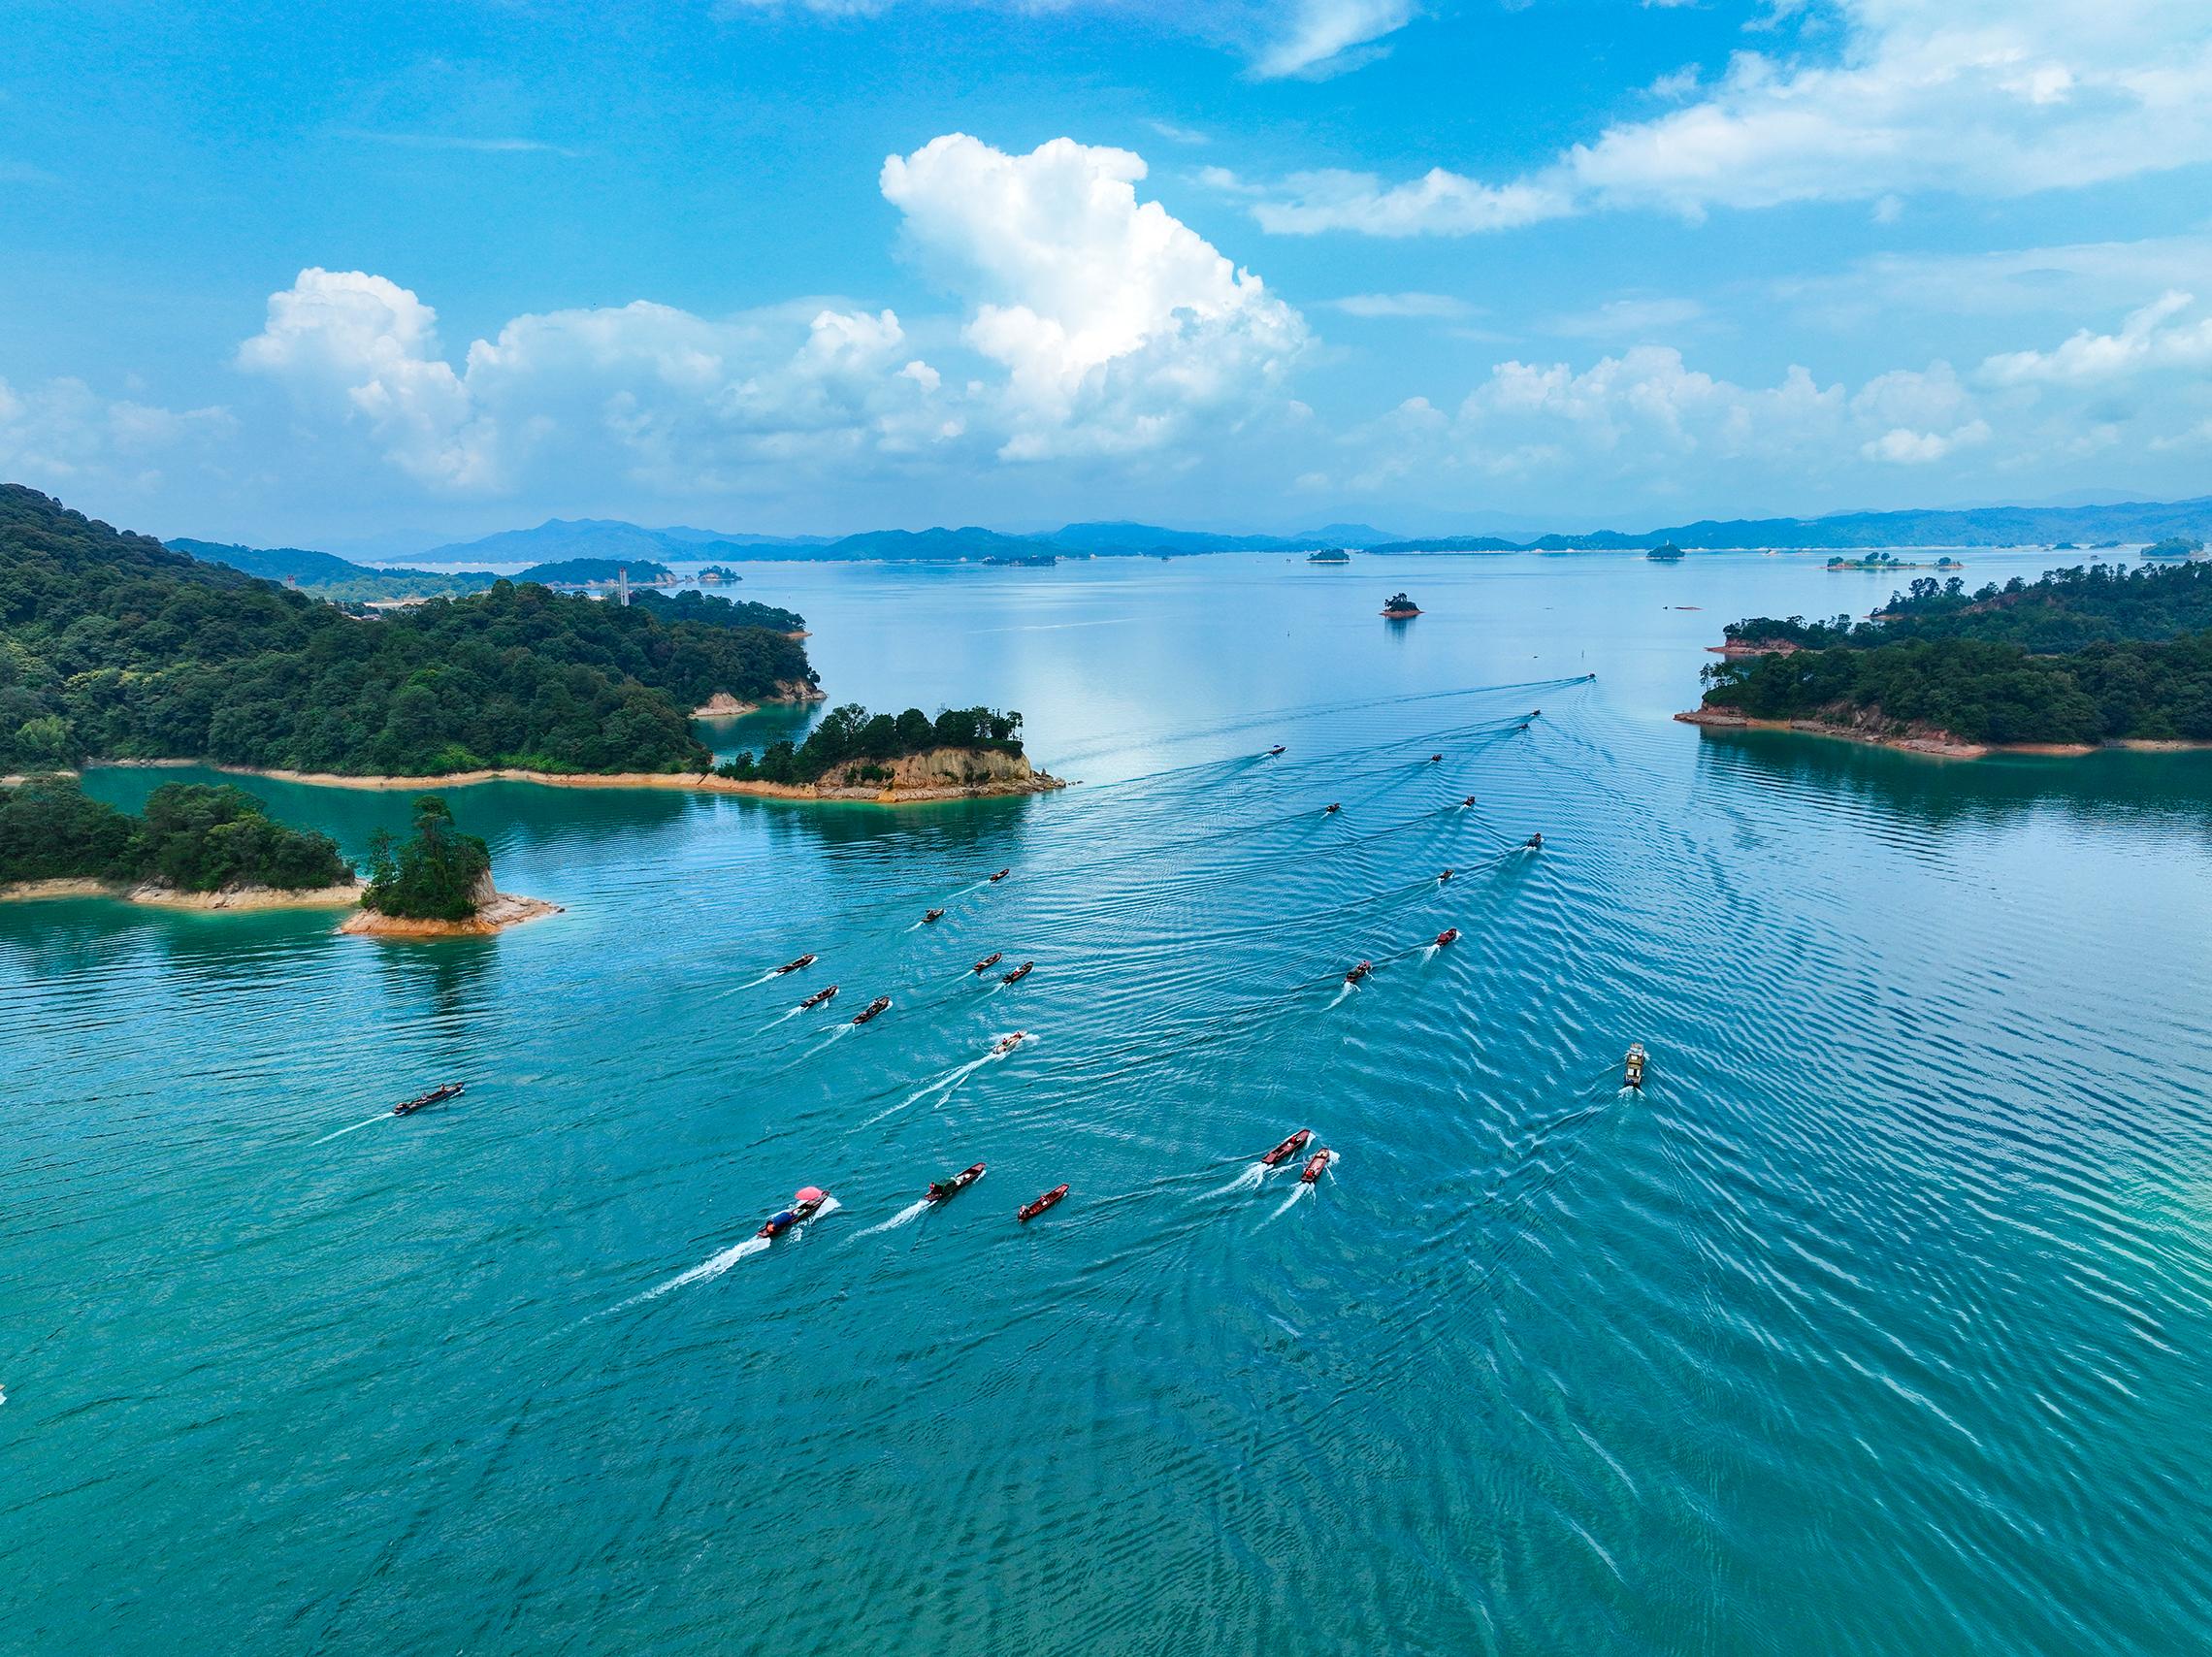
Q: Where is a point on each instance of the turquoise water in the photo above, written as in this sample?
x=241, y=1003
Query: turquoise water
x=1876, y=1323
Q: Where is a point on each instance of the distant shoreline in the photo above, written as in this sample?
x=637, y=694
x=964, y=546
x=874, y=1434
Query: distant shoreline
x=234, y=898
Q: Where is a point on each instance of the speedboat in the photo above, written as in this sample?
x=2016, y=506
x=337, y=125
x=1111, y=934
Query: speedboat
x=804, y=1206
x=1316, y=1165
x=934, y=915
x=1536, y=842
x=989, y=961
x=1288, y=1149
x=1000, y=875
x=1008, y=1043
x=1029, y=1210
x=1635, y=1064
x=1018, y=973
x=1469, y=801
x=940, y=1190
x=1434, y=758
x=1275, y=751
x=1358, y=972
x=1334, y=807
x=1449, y=935
x=445, y=1091
x=794, y=965
x=1445, y=876
x=818, y=998
x=872, y=1009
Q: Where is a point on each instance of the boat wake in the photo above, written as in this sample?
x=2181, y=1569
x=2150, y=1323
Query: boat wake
x=715, y=1265
x=906, y=1215
x=1251, y=1180
x=1347, y=989
x=355, y=1128
x=1304, y=1190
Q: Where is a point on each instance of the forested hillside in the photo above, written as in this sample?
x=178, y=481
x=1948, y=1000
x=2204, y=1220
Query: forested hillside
x=114, y=646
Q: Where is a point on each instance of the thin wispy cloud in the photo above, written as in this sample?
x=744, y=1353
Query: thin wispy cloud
x=457, y=141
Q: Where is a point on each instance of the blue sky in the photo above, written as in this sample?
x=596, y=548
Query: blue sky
x=376, y=277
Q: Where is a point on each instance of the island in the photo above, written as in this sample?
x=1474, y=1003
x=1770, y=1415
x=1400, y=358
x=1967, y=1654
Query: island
x=2082, y=658
x=1665, y=552
x=2175, y=547
x=193, y=847
x=962, y=754
x=1329, y=555
x=1399, y=608
x=438, y=884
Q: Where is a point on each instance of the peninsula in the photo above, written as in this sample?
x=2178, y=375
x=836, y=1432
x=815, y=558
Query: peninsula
x=2081, y=659
x=962, y=754
x=193, y=847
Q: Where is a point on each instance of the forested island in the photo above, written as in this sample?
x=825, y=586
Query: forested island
x=206, y=847
x=854, y=754
x=2082, y=657
x=116, y=647
x=436, y=883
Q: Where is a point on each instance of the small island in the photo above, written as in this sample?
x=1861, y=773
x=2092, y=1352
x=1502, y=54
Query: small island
x=1329, y=555
x=193, y=847
x=2173, y=547
x=1399, y=608
x=2081, y=659
x=968, y=752
x=436, y=885
x=1665, y=552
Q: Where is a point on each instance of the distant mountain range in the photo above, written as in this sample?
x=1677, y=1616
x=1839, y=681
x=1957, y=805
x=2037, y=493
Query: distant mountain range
x=594, y=548
x=2084, y=527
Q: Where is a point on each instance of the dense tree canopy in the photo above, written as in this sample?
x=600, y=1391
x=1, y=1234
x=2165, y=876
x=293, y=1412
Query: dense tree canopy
x=114, y=646
x=435, y=875
x=2080, y=656
x=191, y=837
x=861, y=742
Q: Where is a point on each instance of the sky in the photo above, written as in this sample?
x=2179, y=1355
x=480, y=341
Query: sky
x=377, y=277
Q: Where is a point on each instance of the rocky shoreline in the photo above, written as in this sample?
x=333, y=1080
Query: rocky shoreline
x=1930, y=740
x=494, y=914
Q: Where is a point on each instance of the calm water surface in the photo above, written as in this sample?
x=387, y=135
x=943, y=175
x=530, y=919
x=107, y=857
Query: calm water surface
x=1876, y=1323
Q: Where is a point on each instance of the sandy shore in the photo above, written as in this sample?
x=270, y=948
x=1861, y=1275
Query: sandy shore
x=696, y=782
x=1936, y=744
x=227, y=898
x=503, y=909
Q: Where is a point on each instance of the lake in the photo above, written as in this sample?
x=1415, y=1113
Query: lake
x=1876, y=1322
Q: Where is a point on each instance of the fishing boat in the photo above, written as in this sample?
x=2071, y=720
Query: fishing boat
x=1359, y=972
x=940, y=1190
x=818, y=998
x=872, y=1009
x=804, y=1206
x=794, y=965
x=1029, y=1210
x=1316, y=1165
x=1276, y=752
x=1449, y=935
x=1000, y=875
x=1469, y=801
x=445, y=1090
x=1435, y=759
x=933, y=915
x=1333, y=809
x=1635, y=1064
x=1008, y=1043
x=1018, y=973
x=988, y=961
x=1536, y=842
x=1445, y=876
x=1288, y=1149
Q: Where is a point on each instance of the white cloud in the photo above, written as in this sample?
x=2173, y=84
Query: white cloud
x=1994, y=98
x=1106, y=326
x=63, y=435
x=1626, y=319
x=1312, y=39
x=1113, y=320
x=2149, y=339
x=1430, y=305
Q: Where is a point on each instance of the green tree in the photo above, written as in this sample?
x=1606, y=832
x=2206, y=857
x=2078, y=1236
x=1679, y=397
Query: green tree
x=435, y=875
